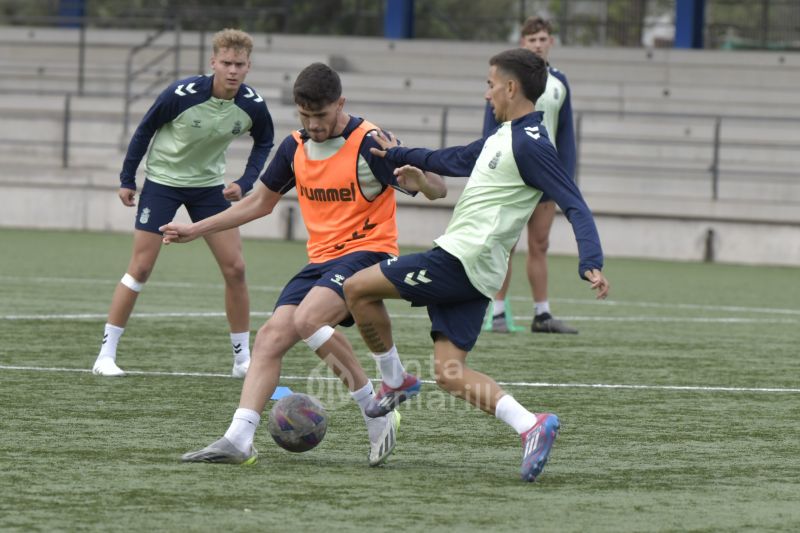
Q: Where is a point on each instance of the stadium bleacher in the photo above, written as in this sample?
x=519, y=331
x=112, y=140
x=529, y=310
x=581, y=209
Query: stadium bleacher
x=656, y=126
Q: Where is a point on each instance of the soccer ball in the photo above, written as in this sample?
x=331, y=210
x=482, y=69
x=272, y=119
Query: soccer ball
x=298, y=422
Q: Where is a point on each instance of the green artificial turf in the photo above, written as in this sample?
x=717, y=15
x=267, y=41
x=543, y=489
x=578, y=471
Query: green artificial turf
x=679, y=402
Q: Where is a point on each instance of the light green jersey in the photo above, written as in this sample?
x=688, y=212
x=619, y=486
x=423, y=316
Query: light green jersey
x=489, y=217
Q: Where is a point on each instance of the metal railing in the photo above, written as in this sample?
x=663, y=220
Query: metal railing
x=131, y=74
x=712, y=164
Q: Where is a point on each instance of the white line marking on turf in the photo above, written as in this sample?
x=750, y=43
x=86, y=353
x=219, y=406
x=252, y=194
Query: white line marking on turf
x=690, y=388
x=215, y=314
x=575, y=301
x=175, y=284
x=657, y=305
x=103, y=316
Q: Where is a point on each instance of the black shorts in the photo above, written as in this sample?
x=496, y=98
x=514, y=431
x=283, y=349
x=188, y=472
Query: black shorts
x=437, y=280
x=331, y=274
x=159, y=203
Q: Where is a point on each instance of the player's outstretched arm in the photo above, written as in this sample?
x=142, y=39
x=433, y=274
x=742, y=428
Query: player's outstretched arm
x=599, y=283
x=257, y=205
x=408, y=177
x=385, y=140
x=413, y=179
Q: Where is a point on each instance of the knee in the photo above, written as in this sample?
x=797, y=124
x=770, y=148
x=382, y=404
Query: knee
x=140, y=272
x=539, y=245
x=306, y=323
x=352, y=291
x=267, y=337
x=234, y=272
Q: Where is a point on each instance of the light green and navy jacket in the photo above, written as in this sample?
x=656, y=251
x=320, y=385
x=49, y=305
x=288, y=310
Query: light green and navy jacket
x=508, y=172
x=191, y=130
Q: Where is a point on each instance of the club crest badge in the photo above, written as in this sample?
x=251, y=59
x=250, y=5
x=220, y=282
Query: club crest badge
x=495, y=160
x=144, y=216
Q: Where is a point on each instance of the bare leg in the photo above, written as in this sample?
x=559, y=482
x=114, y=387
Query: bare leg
x=501, y=294
x=227, y=249
x=538, y=242
x=146, y=247
x=455, y=377
x=273, y=340
x=365, y=292
x=321, y=307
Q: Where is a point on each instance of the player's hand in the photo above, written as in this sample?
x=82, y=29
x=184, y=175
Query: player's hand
x=232, y=193
x=385, y=141
x=128, y=196
x=599, y=283
x=411, y=178
x=175, y=232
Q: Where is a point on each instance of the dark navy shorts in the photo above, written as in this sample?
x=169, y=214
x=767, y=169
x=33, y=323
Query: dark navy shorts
x=329, y=274
x=435, y=279
x=159, y=203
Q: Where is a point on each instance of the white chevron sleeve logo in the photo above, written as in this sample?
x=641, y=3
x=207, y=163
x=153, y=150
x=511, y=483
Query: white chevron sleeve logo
x=251, y=93
x=533, y=132
x=189, y=89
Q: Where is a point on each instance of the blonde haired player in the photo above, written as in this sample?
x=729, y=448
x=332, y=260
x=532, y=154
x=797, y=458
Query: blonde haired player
x=191, y=124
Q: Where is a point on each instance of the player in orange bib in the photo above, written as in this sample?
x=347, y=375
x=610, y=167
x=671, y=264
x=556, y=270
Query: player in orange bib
x=346, y=197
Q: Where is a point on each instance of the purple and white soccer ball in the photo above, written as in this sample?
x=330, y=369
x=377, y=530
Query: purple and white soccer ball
x=298, y=422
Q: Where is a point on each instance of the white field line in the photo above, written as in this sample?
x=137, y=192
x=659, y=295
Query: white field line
x=423, y=316
x=689, y=388
x=697, y=307
x=575, y=301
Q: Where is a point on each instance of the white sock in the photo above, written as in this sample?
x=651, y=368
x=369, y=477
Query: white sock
x=363, y=395
x=391, y=368
x=241, y=346
x=541, y=307
x=498, y=307
x=243, y=429
x=512, y=413
x=111, y=336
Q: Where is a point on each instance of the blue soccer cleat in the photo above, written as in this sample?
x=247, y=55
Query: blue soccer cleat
x=388, y=398
x=536, y=445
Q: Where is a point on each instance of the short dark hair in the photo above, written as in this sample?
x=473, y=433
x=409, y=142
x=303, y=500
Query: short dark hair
x=535, y=25
x=316, y=86
x=526, y=67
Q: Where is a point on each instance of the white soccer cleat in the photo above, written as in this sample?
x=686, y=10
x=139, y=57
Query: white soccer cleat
x=105, y=366
x=382, y=437
x=239, y=370
x=222, y=451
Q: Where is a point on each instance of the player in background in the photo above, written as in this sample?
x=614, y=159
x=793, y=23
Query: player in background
x=536, y=35
x=508, y=171
x=191, y=125
x=346, y=198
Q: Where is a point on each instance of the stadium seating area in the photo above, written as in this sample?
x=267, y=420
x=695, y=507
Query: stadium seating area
x=655, y=126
